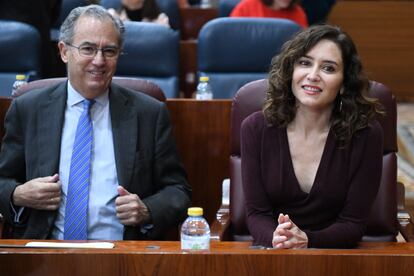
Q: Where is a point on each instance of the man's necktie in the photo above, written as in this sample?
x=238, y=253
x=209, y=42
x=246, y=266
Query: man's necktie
x=76, y=213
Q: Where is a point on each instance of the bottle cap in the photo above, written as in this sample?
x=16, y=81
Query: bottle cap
x=204, y=78
x=20, y=77
x=195, y=211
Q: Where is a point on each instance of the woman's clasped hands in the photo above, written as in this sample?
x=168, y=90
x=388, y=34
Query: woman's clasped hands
x=288, y=235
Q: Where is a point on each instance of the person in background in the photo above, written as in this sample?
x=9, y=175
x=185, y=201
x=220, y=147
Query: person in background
x=287, y=9
x=41, y=14
x=88, y=159
x=141, y=10
x=312, y=158
x=317, y=11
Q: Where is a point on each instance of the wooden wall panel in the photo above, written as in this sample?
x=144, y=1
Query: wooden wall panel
x=384, y=34
x=4, y=106
x=188, y=67
x=202, y=131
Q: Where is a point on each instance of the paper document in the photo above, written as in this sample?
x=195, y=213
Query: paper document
x=103, y=245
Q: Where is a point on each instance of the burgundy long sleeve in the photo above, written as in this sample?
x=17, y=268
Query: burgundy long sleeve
x=334, y=213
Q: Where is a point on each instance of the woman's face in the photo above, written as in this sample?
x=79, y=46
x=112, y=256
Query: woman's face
x=318, y=76
x=281, y=4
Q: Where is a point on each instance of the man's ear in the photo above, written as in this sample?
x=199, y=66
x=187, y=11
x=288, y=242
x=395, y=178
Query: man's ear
x=63, y=50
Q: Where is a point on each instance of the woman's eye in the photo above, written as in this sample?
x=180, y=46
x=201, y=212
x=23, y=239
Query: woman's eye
x=304, y=62
x=328, y=68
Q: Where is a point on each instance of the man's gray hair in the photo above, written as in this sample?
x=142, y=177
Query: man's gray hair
x=67, y=29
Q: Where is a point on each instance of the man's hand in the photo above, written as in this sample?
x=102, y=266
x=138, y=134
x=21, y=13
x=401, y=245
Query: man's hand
x=43, y=193
x=130, y=209
x=288, y=235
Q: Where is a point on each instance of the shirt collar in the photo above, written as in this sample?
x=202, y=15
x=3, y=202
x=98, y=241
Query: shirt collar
x=74, y=97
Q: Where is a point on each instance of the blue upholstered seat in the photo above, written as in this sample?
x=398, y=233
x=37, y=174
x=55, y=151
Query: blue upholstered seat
x=19, y=53
x=235, y=51
x=151, y=52
x=66, y=7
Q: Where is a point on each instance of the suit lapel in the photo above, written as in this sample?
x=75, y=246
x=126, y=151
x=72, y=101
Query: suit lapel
x=124, y=131
x=50, y=124
x=49, y=131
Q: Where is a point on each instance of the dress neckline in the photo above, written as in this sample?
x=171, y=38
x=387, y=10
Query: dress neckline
x=329, y=143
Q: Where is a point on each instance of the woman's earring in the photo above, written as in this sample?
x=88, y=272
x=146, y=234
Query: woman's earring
x=341, y=92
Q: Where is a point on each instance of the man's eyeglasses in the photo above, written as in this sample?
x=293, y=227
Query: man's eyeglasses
x=89, y=51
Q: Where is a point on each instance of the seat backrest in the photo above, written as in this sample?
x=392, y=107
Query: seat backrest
x=19, y=53
x=226, y=6
x=382, y=223
x=151, y=52
x=235, y=51
x=113, y=4
x=141, y=85
x=66, y=7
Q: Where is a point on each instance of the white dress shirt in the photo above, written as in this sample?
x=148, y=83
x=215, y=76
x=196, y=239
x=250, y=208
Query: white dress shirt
x=102, y=221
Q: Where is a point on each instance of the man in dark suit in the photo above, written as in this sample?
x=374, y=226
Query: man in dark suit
x=137, y=186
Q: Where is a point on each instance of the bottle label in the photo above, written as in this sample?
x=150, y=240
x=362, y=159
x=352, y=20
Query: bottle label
x=199, y=96
x=195, y=242
x=208, y=96
x=204, y=96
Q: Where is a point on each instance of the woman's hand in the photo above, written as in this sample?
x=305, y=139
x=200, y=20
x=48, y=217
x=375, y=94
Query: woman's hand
x=288, y=235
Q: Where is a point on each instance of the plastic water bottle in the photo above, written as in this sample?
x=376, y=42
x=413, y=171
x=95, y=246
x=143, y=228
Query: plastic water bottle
x=20, y=80
x=195, y=232
x=204, y=91
x=205, y=4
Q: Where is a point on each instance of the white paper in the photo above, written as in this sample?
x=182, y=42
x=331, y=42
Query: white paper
x=102, y=245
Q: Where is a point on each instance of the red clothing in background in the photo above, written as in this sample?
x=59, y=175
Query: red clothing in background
x=255, y=8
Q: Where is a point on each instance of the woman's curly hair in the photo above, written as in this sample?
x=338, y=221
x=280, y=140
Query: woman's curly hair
x=357, y=107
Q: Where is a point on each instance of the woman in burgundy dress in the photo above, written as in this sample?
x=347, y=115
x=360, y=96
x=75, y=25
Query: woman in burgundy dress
x=312, y=158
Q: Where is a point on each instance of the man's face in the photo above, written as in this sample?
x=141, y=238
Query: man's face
x=91, y=76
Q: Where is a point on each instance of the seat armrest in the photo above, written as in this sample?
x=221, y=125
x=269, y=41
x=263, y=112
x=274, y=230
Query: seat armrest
x=405, y=219
x=220, y=227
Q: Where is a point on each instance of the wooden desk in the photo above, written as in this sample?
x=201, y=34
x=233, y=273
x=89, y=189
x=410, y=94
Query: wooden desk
x=188, y=67
x=192, y=20
x=225, y=258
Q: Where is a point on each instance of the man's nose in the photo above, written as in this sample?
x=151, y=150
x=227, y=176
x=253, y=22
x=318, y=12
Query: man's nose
x=99, y=57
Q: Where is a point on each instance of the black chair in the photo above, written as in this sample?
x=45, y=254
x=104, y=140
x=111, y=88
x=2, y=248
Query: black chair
x=19, y=53
x=383, y=224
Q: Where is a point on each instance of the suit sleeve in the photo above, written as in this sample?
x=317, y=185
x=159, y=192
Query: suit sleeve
x=365, y=178
x=169, y=204
x=260, y=216
x=12, y=161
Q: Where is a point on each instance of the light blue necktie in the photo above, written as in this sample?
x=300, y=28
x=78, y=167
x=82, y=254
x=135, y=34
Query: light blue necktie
x=76, y=213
